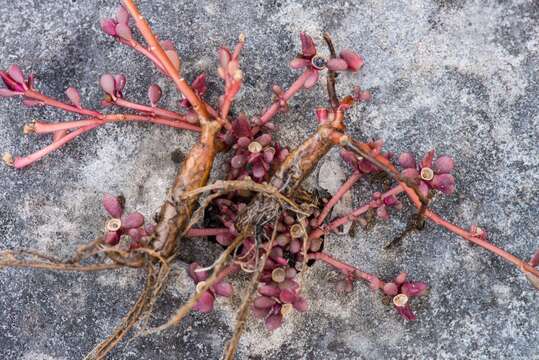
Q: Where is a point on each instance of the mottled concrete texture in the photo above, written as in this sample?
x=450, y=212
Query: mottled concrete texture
x=461, y=76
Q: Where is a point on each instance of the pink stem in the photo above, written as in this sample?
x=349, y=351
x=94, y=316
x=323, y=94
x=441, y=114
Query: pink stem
x=351, y=216
x=201, y=232
x=338, y=195
x=60, y=105
x=87, y=125
x=412, y=194
x=230, y=93
x=27, y=160
x=294, y=88
x=347, y=269
x=44, y=128
x=149, y=109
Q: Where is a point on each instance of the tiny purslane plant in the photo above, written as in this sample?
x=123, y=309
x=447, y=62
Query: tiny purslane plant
x=269, y=227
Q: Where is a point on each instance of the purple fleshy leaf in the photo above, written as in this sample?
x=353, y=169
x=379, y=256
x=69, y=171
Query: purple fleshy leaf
x=311, y=80
x=238, y=161
x=411, y=174
x=353, y=59
x=407, y=160
x=264, y=139
x=149, y=228
x=111, y=238
x=260, y=313
x=391, y=200
x=287, y=296
x=308, y=48
x=112, y=205
x=10, y=83
x=427, y=159
x=224, y=239
x=242, y=129
x=406, y=312
x=423, y=188
x=123, y=31
x=269, y=291
x=337, y=64
x=205, y=303
x=122, y=15
x=414, y=289
x=443, y=165
x=199, y=84
x=273, y=322
x=107, y=83
x=263, y=302
x=289, y=284
x=16, y=74
x=74, y=96
x=135, y=234
x=349, y=157
x=295, y=246
x=391, y=289
x=133, y=220
x=197, y=276
x=534, y=261
x=223, y=288
x=269, y=155
x=154, y=94
x=108, y=26
x=444, y=183
x=401, y=278
x=301, y=304
x=258, y=170
x=120, y=80
x=298, y=63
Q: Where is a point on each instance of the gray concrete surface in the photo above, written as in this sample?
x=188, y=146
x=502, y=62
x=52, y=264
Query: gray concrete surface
x=461, y=76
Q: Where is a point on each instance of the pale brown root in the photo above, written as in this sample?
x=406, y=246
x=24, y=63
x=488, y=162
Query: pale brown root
x=233, y=185
x=198, y=214
x=10, y=258
x=243, y=311
x=103, y=348
x=186, y=308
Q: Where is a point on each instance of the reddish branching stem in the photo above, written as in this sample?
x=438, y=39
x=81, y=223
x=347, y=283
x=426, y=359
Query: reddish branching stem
x=350, y=271
x=288, y=94
x=338, y=195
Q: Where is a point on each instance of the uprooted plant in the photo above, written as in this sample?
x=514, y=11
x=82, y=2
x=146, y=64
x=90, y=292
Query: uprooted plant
x=267, y=224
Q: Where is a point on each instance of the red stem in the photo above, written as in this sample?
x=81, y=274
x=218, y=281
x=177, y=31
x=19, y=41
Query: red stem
x=338, y=195
x=230, y=93
x=44, y=128
x=149, y=109
x=157, y=50
x=347, y=269
x=84, y=126
x=201, y=232
x=351, y=216
x=60, y=105
x=25, y=161
x=292, y=90
x=387, y=166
